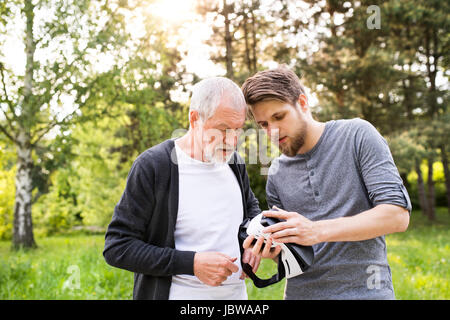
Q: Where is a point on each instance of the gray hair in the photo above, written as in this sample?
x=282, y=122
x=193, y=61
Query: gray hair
x=207, y=94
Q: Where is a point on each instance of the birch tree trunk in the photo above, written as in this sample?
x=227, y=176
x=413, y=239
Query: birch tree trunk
x=23, y=227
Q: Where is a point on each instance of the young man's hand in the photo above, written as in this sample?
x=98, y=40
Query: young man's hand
x=296, y=228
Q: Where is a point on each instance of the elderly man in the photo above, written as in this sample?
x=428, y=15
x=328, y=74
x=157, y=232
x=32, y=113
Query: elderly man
x=177, y=221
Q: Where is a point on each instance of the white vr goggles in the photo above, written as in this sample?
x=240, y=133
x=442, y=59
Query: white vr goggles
x=293, y=260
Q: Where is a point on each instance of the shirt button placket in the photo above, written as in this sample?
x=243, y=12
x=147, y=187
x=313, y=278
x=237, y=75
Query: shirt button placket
x=312, y=179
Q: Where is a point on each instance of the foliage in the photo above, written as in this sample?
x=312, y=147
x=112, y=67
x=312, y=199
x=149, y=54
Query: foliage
x=438, y=178
x=85, y=190
x=7, y=190
x=406, y=148
x=97, y=192
x=55, y=211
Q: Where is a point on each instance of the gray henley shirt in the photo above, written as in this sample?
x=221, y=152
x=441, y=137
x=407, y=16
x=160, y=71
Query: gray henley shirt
x=348, y=171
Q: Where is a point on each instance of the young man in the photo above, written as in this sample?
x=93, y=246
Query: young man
x=177, y=222
x=337, y=187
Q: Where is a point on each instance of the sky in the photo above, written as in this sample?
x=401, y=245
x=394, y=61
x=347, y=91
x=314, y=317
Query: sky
x=193, y=32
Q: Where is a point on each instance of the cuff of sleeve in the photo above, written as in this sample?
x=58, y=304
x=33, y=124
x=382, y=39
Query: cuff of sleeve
x=184, y=262
x=394, y=197
x=408, y=200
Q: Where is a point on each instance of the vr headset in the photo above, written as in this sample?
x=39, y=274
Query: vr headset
x=293, y=260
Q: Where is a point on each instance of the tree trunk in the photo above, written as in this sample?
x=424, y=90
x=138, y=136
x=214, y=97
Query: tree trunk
x=404, y=177
x=23, y=227
x=423, y=202
x=228, y=40
x=446, y=174
x=254, y=58
x=247, y=46
x=431, y=193
x=430, y=52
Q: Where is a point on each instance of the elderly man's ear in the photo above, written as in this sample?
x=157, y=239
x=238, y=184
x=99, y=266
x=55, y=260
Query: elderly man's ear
x=193, y=117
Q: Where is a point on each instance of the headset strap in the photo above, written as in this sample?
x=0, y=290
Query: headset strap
x=261, y=283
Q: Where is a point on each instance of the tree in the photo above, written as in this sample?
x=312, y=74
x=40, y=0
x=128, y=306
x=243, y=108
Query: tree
x=63, y=49
x=7, y=174
x=224, y=31
x=443, y=137
x=420, y=32
x=408, y=151
x=243, y=33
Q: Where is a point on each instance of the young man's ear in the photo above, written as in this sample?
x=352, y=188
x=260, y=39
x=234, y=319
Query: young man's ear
x=303, y=102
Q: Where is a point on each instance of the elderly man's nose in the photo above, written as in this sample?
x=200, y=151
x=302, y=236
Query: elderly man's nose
x=231, y=137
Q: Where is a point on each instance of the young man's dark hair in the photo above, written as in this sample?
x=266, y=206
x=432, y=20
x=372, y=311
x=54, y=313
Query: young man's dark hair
x=275, y=84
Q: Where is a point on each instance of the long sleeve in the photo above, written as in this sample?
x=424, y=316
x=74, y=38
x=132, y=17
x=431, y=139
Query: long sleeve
x=125, y=245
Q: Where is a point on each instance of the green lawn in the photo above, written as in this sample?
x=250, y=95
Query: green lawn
x=72, y=267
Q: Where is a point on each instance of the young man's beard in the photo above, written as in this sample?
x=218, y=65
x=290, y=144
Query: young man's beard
x=296, y=141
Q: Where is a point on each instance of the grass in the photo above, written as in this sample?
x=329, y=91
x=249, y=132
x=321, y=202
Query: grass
x=420, y=257
x=72, y=267
x=42, y=273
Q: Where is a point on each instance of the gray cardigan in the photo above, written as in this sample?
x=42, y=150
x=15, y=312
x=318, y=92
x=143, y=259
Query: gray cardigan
x=140, y=237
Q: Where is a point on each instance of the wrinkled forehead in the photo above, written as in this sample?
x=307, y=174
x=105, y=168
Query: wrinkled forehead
x=227, y=116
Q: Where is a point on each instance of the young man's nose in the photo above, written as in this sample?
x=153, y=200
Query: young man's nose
x=273, y=131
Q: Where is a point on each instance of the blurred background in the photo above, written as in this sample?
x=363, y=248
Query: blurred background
x=87, y=85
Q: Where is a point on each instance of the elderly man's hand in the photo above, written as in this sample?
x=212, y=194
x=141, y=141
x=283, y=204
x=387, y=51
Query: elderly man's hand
x=252, y=260
x=259, y=249
x=213, y=268
x=296, y=228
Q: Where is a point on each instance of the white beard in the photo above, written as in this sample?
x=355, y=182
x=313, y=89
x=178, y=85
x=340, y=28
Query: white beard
x=216, y=156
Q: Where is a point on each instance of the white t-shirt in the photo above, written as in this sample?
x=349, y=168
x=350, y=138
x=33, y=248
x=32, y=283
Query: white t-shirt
x=209, y=214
